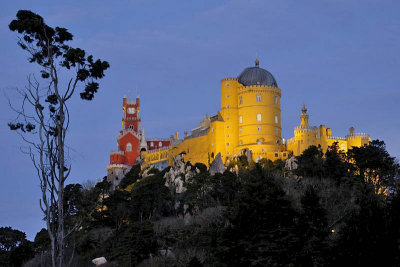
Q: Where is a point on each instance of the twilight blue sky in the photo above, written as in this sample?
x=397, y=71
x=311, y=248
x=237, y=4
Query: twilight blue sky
x=339, y=57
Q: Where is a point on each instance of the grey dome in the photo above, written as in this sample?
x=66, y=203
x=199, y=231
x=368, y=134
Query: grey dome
x=257, y=76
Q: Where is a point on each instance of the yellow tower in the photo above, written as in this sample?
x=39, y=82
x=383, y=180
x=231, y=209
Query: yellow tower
x=259, y=114
x=229, y=113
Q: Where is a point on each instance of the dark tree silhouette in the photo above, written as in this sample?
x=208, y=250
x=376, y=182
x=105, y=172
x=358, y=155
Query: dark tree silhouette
x=45, y=111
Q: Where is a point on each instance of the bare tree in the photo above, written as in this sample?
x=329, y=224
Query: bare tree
x=43, y=116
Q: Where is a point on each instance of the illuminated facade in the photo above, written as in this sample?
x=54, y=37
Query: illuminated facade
x=248, y=122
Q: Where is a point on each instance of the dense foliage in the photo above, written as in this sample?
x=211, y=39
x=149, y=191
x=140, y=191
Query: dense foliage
x=330, y=211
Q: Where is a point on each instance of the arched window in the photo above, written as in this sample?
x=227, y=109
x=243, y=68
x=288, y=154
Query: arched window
x=129, y=147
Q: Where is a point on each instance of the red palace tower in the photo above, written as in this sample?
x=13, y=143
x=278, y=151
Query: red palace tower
x=131, y=141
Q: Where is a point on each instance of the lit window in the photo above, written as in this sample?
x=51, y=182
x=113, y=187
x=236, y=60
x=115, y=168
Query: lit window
x=258, y=98
x=276, y=118
x=259, y=117
x=276, y=100
x=240, y=119
x=240, y=100
x=227, y=144
x=258, y=128
x=159, y=144
x=128, y=147
x=240, y=130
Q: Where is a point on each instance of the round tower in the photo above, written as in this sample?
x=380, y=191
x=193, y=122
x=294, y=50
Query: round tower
x=229, y=113
x=304, y=134
x=259, y=112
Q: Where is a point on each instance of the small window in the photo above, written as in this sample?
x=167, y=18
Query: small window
x=276, y=155
x=240, y=130
x=227, y=153
x=227, y=106
x=227, y=126
x=159, y=143
x=227, y=135
x=263, y=150
x=258, y=98
x=227, y=144
x=212, y=130
x=129, y=147
x=227, y=85
x=151, y=144
x=276, y=119
x=259, y=118
x=258, y=128
x=227, y=96
x=240, y=100
x=227, y=118
x=240, y=142
x=284, y=155
x=276, y=100
x=240, y=119
x=276, y=130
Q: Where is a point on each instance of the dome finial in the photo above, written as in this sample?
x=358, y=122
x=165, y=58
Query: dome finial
x=304, y=110
x=257, y=62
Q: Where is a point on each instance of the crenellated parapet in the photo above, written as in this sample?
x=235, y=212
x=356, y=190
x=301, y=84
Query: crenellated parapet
x=259, y=88
x=228, y=79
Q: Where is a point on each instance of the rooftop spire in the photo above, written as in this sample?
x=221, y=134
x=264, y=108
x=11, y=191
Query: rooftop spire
x=257, y=62
x=304, y=110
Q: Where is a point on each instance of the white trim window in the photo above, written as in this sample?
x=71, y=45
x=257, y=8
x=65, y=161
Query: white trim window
x=240, y=100
x=240, y=119
x=276, y=119
x=258, y=97
x=128, y=147
x=259, y=117
x=276, y=100
x=258, y=128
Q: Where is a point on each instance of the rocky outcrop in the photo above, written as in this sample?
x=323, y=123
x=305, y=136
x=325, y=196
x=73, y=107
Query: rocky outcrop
x=217, y=166
x=178, y=174
x=291, y=163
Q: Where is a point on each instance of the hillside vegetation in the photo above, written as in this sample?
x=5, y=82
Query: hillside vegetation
x=335, y=209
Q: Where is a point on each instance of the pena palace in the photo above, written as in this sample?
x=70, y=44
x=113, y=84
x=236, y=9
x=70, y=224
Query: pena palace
x=248, y=122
